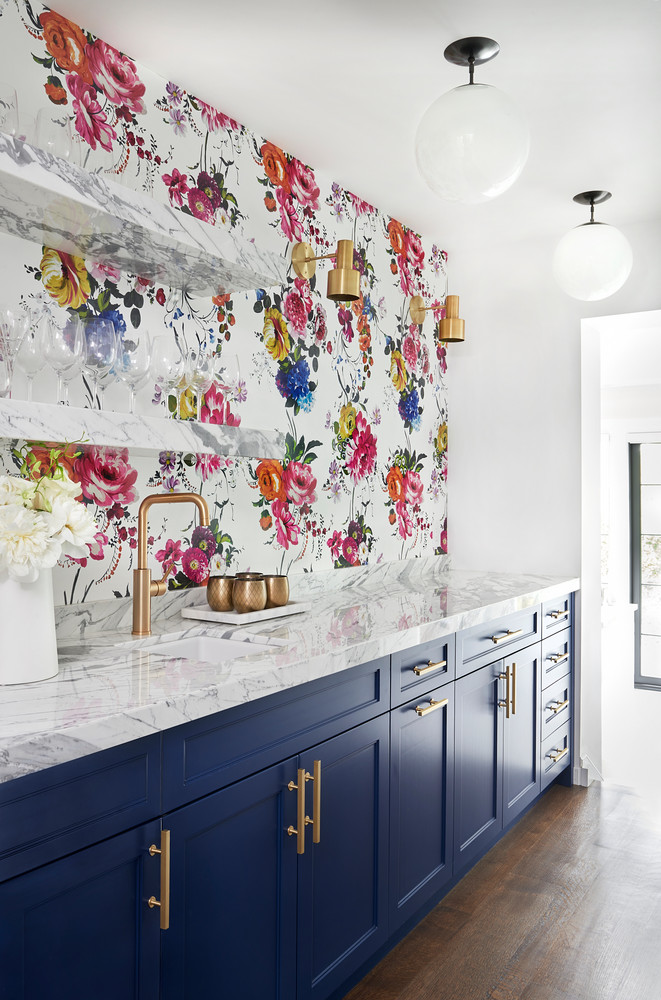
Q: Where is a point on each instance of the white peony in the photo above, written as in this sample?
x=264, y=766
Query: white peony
x=72, y=526
x=49, y=491
x=26, y=544
x=14, y=490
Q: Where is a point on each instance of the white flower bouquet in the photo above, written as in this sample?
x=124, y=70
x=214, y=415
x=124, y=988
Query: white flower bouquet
x=40, y=521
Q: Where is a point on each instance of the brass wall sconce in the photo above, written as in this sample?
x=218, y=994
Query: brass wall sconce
x=343, y=280
x=451, y=328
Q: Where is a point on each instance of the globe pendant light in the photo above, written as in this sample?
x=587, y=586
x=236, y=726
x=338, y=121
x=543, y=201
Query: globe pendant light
x=594, y=260
x=472, y=143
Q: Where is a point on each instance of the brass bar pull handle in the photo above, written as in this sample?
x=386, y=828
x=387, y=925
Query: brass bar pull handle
x=508, y=635
x=299, y=829
x=506, y=704
x=315, y=822
x=557, y=755
x=513, y=689
x=558, y=614
x=164, y=902
x=431, y=707
x=558, y=658
x=430, y=666
x=558, y=707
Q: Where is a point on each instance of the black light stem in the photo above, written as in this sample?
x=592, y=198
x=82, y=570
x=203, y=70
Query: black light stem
x=471, y=68
x=591, y=211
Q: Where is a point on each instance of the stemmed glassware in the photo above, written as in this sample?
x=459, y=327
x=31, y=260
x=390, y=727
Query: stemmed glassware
x=12, y=331
x=135, y=362
x=53, y=134
x=30, y=355
x=100, y=355
x=63, y=350
x=227, y=374
x=8, y=110
x=168, y=364
x=202, y=360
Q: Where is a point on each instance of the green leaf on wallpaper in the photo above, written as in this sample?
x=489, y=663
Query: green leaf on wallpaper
x=135, y=318
x=47, y=61
x=258, y=307
x=103, y=300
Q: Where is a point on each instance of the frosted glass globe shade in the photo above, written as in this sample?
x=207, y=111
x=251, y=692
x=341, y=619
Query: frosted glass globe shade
x=471, y=144
x=592, y=261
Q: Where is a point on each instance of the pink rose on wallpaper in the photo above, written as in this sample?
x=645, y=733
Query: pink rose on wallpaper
x=413, y=488
x=303, y=288
x=299, y=483
x=286, y=529
x=295, y=312
x=361, y=450
x=360, y=207
x=177, y=186
x=106, y=477
x=291, y=224
x=116, y=75
x=320, y=328
x=215, y=120
x=206, y=465
x=350, y=550
x=334, y=544
x=91, y=122
x=414, y=250
x=406, y=282
x=405, y=524
x=410, y=350
x=215, y=410
x=303, y=185
x=103, y=271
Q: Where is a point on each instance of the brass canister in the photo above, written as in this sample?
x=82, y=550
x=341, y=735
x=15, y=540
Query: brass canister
x=277, y=590
x=219, y=593
x=249, y=592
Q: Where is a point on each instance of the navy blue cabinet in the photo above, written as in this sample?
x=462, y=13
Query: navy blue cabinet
x=81, y=927
x=521, y=731
x=421, y=801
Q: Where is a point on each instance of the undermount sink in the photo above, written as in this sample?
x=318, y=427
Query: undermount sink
x=208, y=647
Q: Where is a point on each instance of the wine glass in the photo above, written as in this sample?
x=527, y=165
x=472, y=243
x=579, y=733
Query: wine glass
x=8, y=110
x=63, y=350
x=30, y=355
x=53, y=133
x=5, y=379
x=135, y=362
x=203, y=373
x=12, y=331
x=100, y=353
x=167, y=363
x=227, y=374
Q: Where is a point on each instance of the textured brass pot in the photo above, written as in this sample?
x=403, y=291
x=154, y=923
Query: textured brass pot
x=249, y=594
x=219, y=593
x=277, y=590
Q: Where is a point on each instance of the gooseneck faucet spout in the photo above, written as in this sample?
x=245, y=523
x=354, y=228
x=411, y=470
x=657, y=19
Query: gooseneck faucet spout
x=144, y=588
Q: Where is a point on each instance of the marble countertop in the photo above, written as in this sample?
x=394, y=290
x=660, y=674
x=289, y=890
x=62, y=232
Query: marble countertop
x=111, y=690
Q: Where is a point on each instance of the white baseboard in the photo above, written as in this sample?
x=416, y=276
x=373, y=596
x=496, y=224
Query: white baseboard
x=580, y=777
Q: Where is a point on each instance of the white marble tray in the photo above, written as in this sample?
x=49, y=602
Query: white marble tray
x=205, y=614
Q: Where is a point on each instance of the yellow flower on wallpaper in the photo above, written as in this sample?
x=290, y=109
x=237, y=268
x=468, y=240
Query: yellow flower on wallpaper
x=188, y=405
x=398, y=370
x=442, y=438
x=65, y=278
x=276, y=334
x=347, y=421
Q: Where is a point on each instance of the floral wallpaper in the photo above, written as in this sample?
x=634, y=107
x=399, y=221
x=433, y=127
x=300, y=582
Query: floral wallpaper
x=359, y=391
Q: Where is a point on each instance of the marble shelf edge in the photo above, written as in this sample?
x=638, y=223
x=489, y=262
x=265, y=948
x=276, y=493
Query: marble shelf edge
x=47, y=200
x=50, y=423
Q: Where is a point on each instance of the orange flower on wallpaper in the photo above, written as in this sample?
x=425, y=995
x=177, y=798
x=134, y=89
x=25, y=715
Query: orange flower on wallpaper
x=398, y=370
x=275, y=165
x=65, y=278
x=365, y=341
x=45, y=461
x=397, y=238
x=394, y=482
x=66, y=43
x=57, y=95
x=276, y=334
x=270, y=476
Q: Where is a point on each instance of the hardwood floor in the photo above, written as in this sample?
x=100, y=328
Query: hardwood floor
x=566, y=907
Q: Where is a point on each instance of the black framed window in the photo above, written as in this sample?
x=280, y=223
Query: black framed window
x=645, y=508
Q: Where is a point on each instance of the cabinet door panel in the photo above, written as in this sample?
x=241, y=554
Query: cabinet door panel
x=343, y=904
x=233, y=892
x=478, y=764
x=521, y=775
x=80, y=927
x=421, y=800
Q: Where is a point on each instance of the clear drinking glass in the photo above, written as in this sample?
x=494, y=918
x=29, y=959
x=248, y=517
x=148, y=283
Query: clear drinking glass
x=100, y=354
x=12, y=330
x=227, y=375
x=30, y=355
x=5, y=379
x=167, y=364
x=53, y=133
x=203, y=373
x=63, y=350
x=135, y=362
x=8, y=109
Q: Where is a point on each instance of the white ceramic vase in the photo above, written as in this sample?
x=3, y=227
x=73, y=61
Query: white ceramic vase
x=28, y=648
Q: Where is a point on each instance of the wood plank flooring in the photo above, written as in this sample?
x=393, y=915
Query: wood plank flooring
x=566, y=907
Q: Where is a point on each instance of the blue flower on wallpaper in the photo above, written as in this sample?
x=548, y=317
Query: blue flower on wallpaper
x=408, y=409
x=295, y=381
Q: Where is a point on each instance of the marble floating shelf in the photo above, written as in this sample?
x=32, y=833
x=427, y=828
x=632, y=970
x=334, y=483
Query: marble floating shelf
x=57, y=424
x=47, y=200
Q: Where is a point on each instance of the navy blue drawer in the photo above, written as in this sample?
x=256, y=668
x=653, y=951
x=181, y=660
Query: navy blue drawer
x=556, y=753
x=482, y=644
x=556, y=657
x=201, y=757
x=556, y=614
x=420, y=668
x=556, y=705
x=61, y=809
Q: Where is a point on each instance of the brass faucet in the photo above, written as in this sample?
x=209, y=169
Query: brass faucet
x=144, y=588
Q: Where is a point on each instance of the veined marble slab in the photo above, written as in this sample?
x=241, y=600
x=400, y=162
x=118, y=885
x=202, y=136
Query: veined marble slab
x=45, y=199
x=107, y=694
x=48, y=422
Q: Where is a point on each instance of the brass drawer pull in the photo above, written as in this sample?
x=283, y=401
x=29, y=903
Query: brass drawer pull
x=508, y=635
x=316, y=802
x=506, y=704
x=431, y=707
x=557, y=755
x=558, y=614
x=557, y=658
x=301, y=819
x=558, y=707
x=164, y=902
x=430, y=666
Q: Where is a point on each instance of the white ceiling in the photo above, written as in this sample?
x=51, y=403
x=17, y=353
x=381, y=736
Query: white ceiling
x=344, y=85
